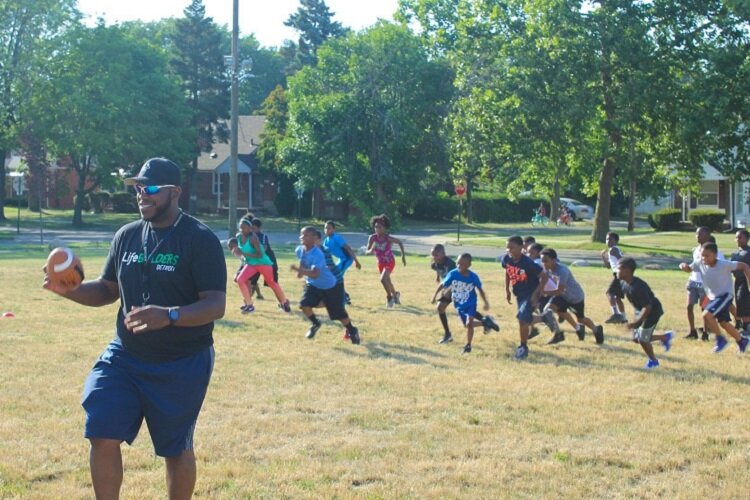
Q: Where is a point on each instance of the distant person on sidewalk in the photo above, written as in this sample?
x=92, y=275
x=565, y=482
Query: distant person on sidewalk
x=717, y=281
x=648, y=310
x=611, y=257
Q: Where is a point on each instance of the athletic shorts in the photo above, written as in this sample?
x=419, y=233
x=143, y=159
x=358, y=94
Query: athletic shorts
x=386, y=265
x=695, y=292
x=466, y=313
x=615, y=288
x=719, y=307
x=742, y=297
x=332, y=298
x=525, y=310
x=563, y=305
x=122, y=390
x=644, y=332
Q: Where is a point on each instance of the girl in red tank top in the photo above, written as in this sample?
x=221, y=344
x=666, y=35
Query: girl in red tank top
x=381, y=243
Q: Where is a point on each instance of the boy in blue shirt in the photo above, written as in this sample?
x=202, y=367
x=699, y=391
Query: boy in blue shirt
x=320, y=285
x=464, y=285
x=340, y=249
x=523, y=274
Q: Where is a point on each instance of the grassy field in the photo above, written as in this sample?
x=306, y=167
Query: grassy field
x=396, y=417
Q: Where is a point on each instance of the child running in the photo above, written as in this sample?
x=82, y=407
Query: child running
x=442, y=265
x=567, y=294
x=340, y=249
x=523, y=274
x=256, y=261
x=263, y=238
x=320, y=285
x=741, y=290
x=648, y=310
x=717, y=281
x=610, y=257
x=464, y=285
x=380, y=243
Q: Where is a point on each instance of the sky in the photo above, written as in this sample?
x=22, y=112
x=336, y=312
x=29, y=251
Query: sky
x=264, y=18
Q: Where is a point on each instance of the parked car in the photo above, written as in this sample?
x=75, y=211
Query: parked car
x=578, y=209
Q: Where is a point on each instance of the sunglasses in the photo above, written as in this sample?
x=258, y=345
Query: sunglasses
x=150, y=190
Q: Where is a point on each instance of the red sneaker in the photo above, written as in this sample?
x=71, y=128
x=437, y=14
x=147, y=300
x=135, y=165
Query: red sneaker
x=346, y=335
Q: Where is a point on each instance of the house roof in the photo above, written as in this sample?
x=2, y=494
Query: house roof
x=248, y=138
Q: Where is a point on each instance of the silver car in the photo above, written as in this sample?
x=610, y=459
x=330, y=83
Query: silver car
x=578, y=209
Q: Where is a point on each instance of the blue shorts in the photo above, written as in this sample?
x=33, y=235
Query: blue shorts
x=525, y=310
x=719, y=307
x=121, y=390
x=344, y=264
x=466, y=313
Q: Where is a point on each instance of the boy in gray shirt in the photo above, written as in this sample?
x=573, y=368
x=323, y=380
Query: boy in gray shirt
x=717, y=281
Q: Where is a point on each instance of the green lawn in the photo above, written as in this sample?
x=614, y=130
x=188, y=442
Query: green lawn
x=396, y=417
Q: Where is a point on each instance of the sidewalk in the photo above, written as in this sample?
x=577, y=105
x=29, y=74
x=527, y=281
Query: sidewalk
x=418, y=242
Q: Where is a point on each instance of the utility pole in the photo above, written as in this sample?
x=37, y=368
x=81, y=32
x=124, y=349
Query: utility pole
x=235, y=119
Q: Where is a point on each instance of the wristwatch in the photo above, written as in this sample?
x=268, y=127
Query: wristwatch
x=174, y=315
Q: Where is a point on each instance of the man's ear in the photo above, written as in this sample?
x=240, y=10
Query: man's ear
x=176, y=193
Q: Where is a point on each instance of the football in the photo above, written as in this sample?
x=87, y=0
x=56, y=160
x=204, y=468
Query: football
x=64, y=269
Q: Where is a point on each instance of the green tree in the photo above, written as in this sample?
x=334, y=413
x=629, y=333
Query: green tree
x=314, y=23
x=364, y=121
x=199, y=46
x=27, y=26
x=267, y=73
x=107, y=103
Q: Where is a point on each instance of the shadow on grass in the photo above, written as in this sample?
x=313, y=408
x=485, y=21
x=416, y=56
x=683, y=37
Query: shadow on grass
x=402, y=353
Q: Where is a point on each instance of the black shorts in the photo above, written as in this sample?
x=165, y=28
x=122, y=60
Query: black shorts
x=742, y=297
x=563, y=305
x=615, y=288
x=332, y=298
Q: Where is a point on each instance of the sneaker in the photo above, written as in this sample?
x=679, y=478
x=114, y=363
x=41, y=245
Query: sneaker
x=489, y=323
x=721, y=344
x=354, y=334
x=616, y=318
x=522, y=352
x=389, y=303
x=397, y=298
x=667, y=342
x=557, y=338
x=651, y=364
x=599, y=334
x=447, y=338
x=742, y=345
x=286, y=307
x=346, y=335
x=467, y=349
x=533, y=332
x=248, y=309
x=692, y=335
x=581, y=332
x=312, y=331
x=704, y=335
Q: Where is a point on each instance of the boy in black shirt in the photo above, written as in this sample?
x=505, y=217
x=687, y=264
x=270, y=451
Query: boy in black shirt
x=648, y=310
x=523, y=274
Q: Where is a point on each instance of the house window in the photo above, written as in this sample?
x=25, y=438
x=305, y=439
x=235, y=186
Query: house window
x=216, y=183
x=709, y=194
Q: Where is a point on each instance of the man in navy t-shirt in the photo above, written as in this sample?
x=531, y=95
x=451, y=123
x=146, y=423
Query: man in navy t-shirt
x=169, y=273
x=523, y=274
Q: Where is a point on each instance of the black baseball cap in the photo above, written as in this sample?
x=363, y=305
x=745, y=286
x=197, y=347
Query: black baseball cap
x=157, y=172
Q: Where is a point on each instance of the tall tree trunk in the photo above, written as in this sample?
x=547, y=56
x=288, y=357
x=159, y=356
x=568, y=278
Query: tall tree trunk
x=469, y=202
x=631, y=206
x=80, y=193
x=3, y=154
x=193, y=187
x=554, y=209
x=601, y=217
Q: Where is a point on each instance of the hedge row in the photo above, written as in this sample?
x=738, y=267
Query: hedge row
x=486, y=207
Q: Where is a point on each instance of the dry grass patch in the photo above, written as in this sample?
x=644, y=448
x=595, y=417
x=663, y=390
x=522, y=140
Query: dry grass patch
x=399, y=415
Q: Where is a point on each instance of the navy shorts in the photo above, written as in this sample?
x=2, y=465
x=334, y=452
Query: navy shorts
x=466, y=313
x=122, y=390
x=615, y=288
x=719, y=307
x=525, y=310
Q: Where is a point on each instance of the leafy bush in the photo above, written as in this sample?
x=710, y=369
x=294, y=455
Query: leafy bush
x=709, y=217
x=491, y=207
x=665, y=219
x=124, y=203
x=100, y=201
x=438, y=207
